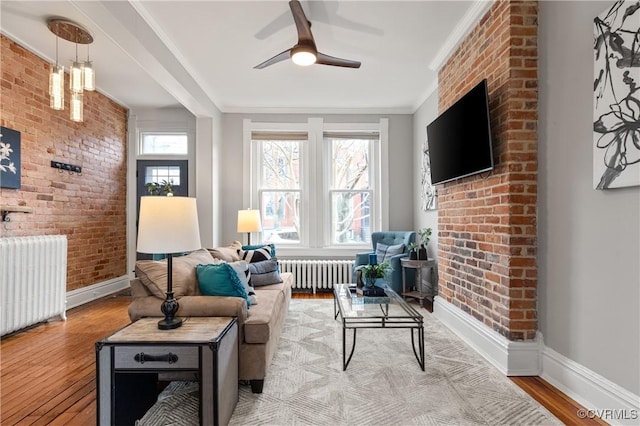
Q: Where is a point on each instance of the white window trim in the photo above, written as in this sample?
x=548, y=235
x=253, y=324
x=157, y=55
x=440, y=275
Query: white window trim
x=315, y=128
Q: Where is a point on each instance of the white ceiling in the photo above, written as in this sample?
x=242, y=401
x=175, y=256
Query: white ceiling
x=201, y=54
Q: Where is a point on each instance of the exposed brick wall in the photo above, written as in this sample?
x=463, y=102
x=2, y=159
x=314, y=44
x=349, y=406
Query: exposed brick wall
x=487, y=240
x=90, y=209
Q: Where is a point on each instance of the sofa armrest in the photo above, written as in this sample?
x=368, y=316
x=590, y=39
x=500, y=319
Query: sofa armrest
x=363, y=258
x=192, y=306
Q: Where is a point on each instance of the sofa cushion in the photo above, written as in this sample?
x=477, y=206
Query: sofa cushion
x=220, y=280
x=258, y=327
x=230, y=253
x=153, y=274
x=264, y=273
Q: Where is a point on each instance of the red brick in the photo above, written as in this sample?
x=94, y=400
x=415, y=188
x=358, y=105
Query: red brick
x=498, y=212
x=96, y=240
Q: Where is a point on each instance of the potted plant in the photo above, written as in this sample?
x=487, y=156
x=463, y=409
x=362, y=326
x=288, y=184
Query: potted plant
x=425, y=236
x=413, y=251
x=163, y=188
x=372, y=272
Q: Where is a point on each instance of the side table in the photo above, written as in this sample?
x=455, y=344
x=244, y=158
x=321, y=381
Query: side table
x=418, y=294
x=128, y=363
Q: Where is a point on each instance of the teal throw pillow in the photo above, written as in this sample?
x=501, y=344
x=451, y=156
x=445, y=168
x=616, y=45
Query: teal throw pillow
x=270, y=247
x=220, y=280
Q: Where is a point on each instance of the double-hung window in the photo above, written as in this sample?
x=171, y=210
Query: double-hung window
x=319, y=186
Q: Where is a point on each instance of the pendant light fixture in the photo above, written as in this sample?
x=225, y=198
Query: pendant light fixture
x=81, y=75
x=56, y=84
x=76, y=75
x=89, y=75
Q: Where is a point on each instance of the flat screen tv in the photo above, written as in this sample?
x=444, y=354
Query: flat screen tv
x=460, y=138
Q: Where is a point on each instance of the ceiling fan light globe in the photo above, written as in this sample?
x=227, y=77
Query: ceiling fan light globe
x=303, y=58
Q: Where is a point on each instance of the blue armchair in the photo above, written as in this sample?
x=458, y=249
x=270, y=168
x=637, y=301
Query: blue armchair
x=389, y=238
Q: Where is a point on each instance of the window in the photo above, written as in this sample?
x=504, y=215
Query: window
x=161, y=174
x=317, y=185
x=350, y=191
x=164, y=143
x=278, y=186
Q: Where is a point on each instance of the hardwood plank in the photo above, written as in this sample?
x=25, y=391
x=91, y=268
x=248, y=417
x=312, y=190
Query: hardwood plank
x=48, y=371
x=563, y=407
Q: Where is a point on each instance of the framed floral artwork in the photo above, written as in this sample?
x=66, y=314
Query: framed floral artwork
x=616, y=96
x=427, y=190
x=9, y=158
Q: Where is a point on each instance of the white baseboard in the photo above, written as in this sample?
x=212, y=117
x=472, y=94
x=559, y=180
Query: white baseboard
x=84, y=295
x=607, y=400
x=511, y=358
x=591, y=390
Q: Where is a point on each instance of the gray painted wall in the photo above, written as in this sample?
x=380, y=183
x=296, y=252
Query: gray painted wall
x=589, y=241
x=401, y=155
x=424, y=219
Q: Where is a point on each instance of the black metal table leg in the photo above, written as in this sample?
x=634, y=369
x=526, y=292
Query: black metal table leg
x=344, y=347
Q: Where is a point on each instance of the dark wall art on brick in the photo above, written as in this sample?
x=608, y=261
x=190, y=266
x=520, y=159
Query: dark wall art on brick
x=9, y=158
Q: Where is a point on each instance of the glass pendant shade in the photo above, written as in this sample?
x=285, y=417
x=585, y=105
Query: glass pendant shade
x=89, y=77
x=56, y=87
x=76, y=107
x=76, y=78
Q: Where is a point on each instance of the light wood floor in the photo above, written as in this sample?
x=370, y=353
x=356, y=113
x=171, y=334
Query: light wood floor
x=48, y=371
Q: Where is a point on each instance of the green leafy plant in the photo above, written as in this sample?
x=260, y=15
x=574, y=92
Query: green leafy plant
x=413, y=246
x=162, y=188
x=372, y=272
x=425, y=235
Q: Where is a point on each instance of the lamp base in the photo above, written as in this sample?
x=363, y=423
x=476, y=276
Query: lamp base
x=169, y=324
x=169, y=308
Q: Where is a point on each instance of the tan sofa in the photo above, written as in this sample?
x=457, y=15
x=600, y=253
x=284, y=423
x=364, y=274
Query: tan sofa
x=260, y=325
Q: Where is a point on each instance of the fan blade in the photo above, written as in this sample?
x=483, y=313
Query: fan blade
x=282, y=56
x=337, y=62
x=302, y=23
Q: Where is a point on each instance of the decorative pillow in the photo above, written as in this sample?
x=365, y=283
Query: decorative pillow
x=272, y=248
x=256, y=255
x=220, y=280
x=228, y=254
x=241, y=268
x=384, y=252
x=264, y=273
x=153, y=274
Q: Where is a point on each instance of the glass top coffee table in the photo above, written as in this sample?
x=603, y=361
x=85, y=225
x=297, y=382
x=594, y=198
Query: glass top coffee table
x=389, y=311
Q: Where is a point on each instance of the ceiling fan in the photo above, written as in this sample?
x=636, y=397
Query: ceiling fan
x=305, y=51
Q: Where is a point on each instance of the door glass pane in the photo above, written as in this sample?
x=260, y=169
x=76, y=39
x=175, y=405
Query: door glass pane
x=350, y=217
x=158, y=174
x=164, y=143
x=350, y=163
x=280, y=216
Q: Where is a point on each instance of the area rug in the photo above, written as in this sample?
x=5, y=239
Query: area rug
x=383, y=384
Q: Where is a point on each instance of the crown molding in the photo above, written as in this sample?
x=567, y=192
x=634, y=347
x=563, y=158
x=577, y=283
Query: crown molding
x=464, y=27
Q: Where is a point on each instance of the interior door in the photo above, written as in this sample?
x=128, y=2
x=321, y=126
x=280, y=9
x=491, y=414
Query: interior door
x=175, y=172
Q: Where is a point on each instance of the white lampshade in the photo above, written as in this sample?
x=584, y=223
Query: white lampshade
x=168, y=225
x=249, y=221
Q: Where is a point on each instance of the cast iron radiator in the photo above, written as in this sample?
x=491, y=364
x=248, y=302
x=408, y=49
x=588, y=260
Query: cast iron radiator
x=33, y=280
x=317, y=274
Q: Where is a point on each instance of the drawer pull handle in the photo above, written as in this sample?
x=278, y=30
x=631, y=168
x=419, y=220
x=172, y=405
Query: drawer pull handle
x=142, y=358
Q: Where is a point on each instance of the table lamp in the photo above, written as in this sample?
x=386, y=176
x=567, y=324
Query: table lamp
x=249, y=221
x=168, y=225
